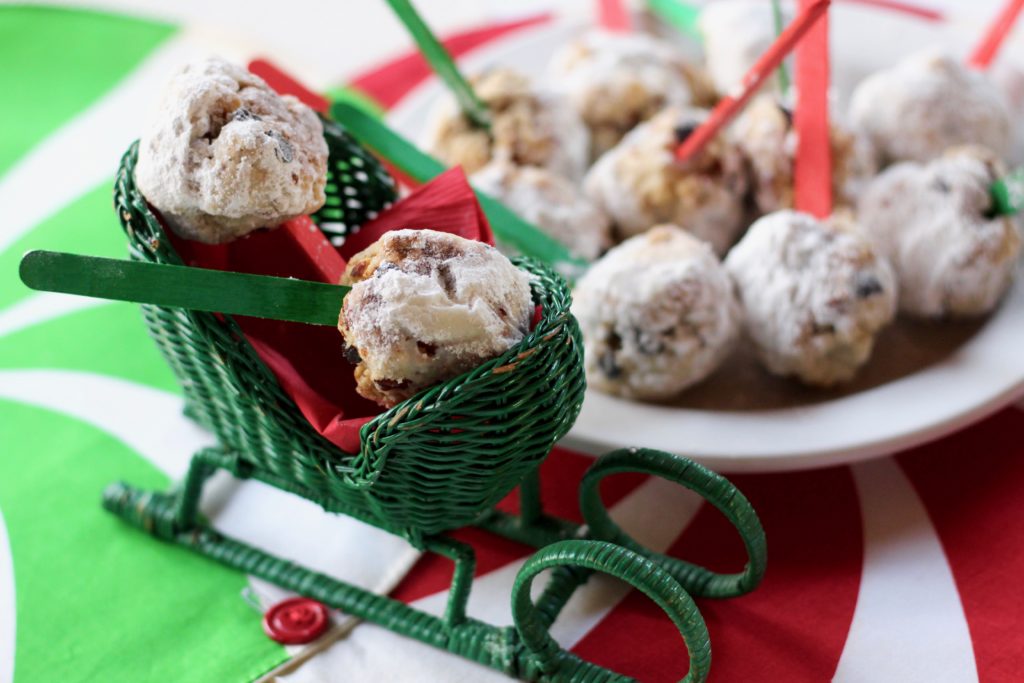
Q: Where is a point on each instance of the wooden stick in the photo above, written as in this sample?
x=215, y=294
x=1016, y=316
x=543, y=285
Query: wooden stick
x=613, y=15
x=197, y=289
x=442, y=63
x=812, y=165
x=730, y=105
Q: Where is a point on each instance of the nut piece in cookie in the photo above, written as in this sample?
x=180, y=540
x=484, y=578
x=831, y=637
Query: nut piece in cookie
x=427, y=306
x=225, y=154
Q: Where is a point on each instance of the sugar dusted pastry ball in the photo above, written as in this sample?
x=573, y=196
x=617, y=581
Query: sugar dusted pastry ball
x=427, y=306
x=735, y=34
x=550, y=202
x=932, y=221
x=225, y=154
x=927, y=103
x=765, y=134
x=639, y=183
x=530, y=127
x=657, y=313
x=617, y=80
x=814, y=295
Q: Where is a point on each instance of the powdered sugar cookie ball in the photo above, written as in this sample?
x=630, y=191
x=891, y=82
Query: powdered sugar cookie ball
x=657, y=313
x=735, y=33
x=765, y=135
x=932, y=221
x=426, y=306
x=225, y=154
x=814, y=295
x=529, y=127
x=639, y=183
x=550, y=202
x=617, y=80
x=926, y=104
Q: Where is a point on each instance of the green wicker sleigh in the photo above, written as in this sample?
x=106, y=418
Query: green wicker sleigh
x=438, y=461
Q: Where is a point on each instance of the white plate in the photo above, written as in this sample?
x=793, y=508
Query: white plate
x=965, y=375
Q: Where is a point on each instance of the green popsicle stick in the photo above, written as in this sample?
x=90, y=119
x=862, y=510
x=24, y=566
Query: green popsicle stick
x=679, y=14
x=442, y=63
x=507, y=226
x=350, y=94
x=783, y=72
x=197, y=289
x=1008, y=193
x=388, y=144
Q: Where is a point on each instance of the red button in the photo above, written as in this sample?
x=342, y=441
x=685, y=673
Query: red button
x=296, y=621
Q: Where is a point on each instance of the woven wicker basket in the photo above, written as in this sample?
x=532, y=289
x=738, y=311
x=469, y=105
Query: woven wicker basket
x=437, y=461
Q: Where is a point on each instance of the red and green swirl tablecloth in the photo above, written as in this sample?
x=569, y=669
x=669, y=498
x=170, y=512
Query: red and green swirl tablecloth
x=907, y=568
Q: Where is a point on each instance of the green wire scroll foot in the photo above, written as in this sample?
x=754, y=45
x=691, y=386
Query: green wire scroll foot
x=153, y=512
x=626, y=565
x=712, y=487
x=527, y=650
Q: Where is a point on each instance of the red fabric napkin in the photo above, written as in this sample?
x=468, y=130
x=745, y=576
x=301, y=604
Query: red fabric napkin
x=307, y=359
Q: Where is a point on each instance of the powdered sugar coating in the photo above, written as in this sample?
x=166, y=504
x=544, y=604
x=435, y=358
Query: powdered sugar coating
x=225, y=154
x=617, y=80
x=639, y=183
x=929, y=102
x=931, y=220
x=765, y=135
x=814, y=295
x=427, y=306
x=735, y=34
x=657, y=313
x=550, y=202
x=1008, y=77
x=529, y=127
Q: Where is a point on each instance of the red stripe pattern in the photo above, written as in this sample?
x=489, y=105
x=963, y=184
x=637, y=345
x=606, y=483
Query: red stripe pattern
x=972, y=484
x=793, y=628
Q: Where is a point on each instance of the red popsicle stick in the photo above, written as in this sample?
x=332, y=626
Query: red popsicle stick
x=614, y=16
x=286, y=85
x=812, y=172
x=730, y=105
x=985, y=52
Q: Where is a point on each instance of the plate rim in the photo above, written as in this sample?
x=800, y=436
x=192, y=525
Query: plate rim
x=590, y=436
